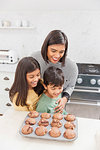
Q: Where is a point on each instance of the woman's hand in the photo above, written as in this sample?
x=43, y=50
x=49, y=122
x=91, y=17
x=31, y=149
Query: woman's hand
x=61, y=104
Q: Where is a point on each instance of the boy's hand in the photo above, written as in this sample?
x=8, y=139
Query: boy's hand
x=61, y=104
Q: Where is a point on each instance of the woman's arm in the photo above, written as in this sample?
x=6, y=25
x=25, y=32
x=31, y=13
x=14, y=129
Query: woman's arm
x=70, y=74
x=61, y=104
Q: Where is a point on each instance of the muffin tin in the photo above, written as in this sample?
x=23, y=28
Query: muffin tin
x=47, y=136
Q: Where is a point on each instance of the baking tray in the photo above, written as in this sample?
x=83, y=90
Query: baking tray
x=47, y=136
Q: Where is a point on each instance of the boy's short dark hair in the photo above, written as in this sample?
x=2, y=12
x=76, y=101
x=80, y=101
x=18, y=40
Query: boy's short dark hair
x=54, y=76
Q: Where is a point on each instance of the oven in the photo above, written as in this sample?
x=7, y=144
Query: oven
x=87, y=88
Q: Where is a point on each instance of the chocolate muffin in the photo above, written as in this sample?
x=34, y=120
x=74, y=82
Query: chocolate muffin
x=45, y=115
x=27, y=129
x=30, y=121
x=69, y=134
x=43, y=122
x=70, y=117
x=56, y=123
x=54, y=132
x=41, y=131
x=33, y=114
x=69, y=125
x=58, y=116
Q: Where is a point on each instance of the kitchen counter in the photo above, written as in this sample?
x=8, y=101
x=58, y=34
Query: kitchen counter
x=10, y=139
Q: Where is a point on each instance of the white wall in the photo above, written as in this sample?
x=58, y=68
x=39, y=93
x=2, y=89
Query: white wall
x=27, y=5
x=79, y=19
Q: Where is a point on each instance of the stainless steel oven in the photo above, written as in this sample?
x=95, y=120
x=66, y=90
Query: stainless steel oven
x=87, y=87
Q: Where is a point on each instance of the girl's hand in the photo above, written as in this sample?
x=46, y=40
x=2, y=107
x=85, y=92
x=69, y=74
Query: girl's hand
x=61, y=104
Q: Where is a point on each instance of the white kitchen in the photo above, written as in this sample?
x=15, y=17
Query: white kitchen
x=23, y=28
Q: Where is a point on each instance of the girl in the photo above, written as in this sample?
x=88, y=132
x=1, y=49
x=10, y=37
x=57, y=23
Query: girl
x=54, y=53
x=27, y=86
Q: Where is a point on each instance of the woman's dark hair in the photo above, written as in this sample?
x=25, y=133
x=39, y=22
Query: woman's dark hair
x=54, y=37
x=20, y=85
x=53, y=75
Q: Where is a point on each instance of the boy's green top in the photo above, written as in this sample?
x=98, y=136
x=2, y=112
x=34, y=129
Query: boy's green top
x=47, y=104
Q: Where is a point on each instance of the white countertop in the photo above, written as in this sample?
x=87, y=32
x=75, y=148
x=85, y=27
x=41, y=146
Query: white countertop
x=10, y=139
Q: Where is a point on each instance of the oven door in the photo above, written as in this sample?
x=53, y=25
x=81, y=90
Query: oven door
x=86, y=94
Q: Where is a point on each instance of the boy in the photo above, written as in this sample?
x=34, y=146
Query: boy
x=53, y=83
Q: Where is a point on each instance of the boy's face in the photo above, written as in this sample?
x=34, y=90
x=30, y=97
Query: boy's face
x=53, y=91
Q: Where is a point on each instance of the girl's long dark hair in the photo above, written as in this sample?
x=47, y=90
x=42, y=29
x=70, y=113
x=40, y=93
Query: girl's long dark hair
x=20, y=86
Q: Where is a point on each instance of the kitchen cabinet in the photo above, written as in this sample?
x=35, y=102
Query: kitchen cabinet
x=4, y=90
x=17, y=27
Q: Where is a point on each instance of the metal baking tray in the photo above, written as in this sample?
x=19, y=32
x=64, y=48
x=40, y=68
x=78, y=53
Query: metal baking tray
x=47, y=136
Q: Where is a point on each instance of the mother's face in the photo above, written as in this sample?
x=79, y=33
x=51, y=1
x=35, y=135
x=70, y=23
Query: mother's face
x=55, y=52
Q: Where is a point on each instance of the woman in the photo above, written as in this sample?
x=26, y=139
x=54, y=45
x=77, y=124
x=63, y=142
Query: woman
x=53, y=53
x=27, y=86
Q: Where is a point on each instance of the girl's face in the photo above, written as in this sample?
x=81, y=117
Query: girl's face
x=33, y=78
x=53, y=91
x=55, y=52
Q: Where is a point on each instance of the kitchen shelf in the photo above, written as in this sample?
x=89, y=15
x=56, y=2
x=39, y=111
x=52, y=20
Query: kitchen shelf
x=17, y=27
